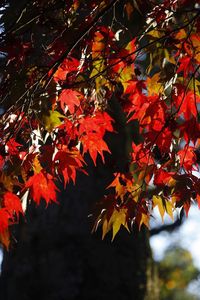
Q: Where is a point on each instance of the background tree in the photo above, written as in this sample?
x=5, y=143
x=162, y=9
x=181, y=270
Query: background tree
x=176, y=271
x=72, y=76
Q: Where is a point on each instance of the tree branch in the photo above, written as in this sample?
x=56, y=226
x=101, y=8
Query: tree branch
x=169, y=227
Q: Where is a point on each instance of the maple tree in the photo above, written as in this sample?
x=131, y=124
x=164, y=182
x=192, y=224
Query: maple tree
x=55, y=102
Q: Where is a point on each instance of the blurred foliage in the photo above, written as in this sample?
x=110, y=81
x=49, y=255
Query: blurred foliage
x=176, y=272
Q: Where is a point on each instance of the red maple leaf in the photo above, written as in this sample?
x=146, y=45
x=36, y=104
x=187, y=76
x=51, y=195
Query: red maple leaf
x=2, y=162
x=162, y=139
x=12, y=203
x=4, y=219
x=186, y=66
x=162, y=177
x=12, y=146
x=186, y=103
x=41, y=186
x=98, y=123
x=154, y=116
x=187, y=157
x=94, y=144
x=69, y=65
x=190, y=130
x=67, y=163
x=141, y=155
x=91, y=131
x=69, y=99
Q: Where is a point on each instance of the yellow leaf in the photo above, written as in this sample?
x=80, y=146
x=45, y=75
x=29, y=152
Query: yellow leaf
x=193, y=83
x=36, y=165
x=100, y=80
x=153, y=85
x=98, y=67
x=117, y=219
x=174, y=199
x=52, y=120
x=105, y=228
x=181, y=34
x=171, y=182
x=135, y=190
x=197, y=57
x=163, y=206
x=158, y=201
x=121, y=191
x=119, y=188
x=144, y=220
x=169, y=57
x=155, y=33
x=126, y=74
x=169, y=209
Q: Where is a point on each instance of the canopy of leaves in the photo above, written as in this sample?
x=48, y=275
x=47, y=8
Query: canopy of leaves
x=61, y=64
